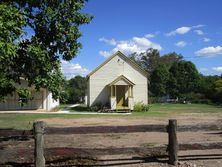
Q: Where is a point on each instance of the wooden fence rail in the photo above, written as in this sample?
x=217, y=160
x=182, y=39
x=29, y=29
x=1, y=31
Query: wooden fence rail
x=130, y=129
x=39, y=129
x=107, y=129
x=111, y=129
x=15, y=132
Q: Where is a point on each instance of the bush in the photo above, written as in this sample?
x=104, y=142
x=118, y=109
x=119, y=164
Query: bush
x=96, y=107
x=153, y=99
x=194, y=98
x=141, y=107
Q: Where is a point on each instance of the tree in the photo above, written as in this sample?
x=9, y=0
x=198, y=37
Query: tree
x=135, y=57
x=78, y=89
x=205, y=84
x=11, y=23
x=158, y=80
x=147, y=60
x=150, y=59
x=170, y=58
x=217, y=91
x=74, y=90
x=56, y=32
x=183, y=78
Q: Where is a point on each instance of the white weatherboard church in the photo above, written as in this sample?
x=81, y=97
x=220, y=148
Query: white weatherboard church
x=118, y=82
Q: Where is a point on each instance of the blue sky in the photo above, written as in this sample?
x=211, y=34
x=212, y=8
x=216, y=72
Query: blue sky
x=190, y=27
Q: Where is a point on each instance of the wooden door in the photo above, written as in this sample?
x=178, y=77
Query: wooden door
x=120, y=95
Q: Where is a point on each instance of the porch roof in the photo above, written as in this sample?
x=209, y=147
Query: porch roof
x=121, y=78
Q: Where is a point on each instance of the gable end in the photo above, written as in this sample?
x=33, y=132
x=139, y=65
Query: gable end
x=124, y=58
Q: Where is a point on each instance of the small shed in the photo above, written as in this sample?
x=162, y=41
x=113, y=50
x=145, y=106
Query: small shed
x=41, y=100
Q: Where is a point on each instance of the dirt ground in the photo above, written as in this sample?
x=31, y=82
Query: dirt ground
x=197, y=158
x=188, y=119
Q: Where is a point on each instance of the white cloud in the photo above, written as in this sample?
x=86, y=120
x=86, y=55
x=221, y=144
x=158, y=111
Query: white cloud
x=136, y=44
x=183, y=30
x=71, y=70
x=105, y=53
x=218, y=69
x=150, y=35
x=181, y=44
x=210, y=51
x=198, y=26
x=108, y=41
x=206, y=39
x=199, y=32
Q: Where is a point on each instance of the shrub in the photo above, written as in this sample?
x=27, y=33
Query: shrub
x=141, y=107
x=96, y=107
x=153, y=99
x=194, y=98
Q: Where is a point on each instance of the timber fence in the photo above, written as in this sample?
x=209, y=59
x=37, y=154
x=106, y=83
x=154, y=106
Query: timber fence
x=39, y=129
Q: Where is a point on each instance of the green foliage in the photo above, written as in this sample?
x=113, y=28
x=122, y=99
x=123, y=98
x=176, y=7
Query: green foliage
x=170, y=75
x=151, y=59
x=96, y=107
x=217, y=91
x=78, y=87
x=206, y=83
x=56, y=25
x=217, y=86
x=11, y=23
x=158, y=80
x=74, y=90
x=64, y=96
x=147, y=60
x=170, y=58
x=37, y=59
x=193, y=97
x=183, y=78
x=141, y=107
x=24, y=95
x=6, y=86
x=154, y=99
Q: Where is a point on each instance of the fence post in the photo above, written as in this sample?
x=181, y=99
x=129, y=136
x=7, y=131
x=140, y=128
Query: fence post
x=172, y=142
x=39, y=158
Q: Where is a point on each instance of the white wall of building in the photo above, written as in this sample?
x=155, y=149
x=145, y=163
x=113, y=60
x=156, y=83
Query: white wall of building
x=98, y=81
x=42, y=99
x=51, y=103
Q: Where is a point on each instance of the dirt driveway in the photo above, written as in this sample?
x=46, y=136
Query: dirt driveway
x=130, y=140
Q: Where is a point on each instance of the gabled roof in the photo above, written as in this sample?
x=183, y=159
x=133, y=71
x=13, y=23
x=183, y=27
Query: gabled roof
x=120, y=54
x=121, y=77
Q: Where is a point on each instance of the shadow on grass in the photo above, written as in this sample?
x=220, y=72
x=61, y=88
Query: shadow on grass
x=86, y=161
x=89, y=161
x=81, y=108
x=62, y=162
x=15, y=134
x=16, y=138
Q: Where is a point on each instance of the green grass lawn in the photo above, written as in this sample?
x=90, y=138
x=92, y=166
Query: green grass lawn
x=24, y=121
x=178, y=108
x=167, y=109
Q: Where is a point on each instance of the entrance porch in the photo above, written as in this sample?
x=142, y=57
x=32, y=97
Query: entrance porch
x=121, y=94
